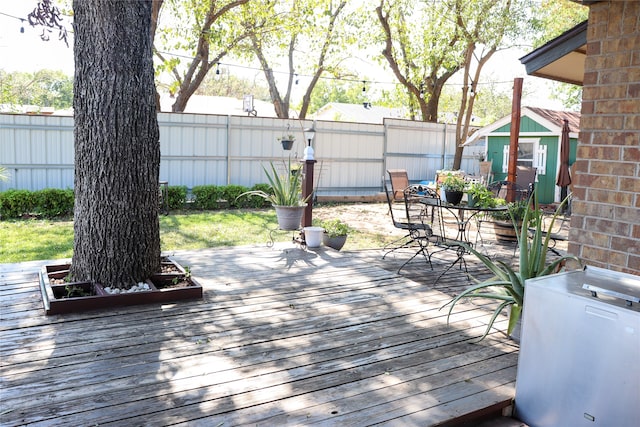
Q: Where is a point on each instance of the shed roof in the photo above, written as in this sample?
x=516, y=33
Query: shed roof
x=551, y=119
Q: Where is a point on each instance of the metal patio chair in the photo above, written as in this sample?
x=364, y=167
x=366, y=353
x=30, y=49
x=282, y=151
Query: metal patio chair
x=399, y=181
x=414, y=231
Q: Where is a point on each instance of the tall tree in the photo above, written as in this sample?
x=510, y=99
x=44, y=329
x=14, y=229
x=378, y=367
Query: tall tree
x=554, y=17
x=422, y=45
x=484, y=27
x=44, y=88
x=227, y=84
x=204, y=30
x=117, y=146
x=306, y=34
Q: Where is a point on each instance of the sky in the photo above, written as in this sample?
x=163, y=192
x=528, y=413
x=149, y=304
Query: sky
x=25, y=51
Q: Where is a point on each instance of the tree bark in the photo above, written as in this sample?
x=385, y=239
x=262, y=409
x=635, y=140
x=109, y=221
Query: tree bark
x=117, y=147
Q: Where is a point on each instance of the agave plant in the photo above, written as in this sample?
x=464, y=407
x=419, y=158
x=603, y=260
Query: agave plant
x=507, y=285
x=287, y=188
x=4, y=174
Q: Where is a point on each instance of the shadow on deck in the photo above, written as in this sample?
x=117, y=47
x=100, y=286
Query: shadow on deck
x=282, y=337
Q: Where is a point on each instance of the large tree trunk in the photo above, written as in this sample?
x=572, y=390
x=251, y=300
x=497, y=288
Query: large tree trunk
x=117, y=148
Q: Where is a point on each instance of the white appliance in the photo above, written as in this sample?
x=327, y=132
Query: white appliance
x=579, y=362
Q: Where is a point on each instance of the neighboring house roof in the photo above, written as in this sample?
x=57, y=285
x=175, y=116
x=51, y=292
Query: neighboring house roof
x=550, y=119
x=218, y=105
x=562, y=58
x=360, y=113
x=34, y=109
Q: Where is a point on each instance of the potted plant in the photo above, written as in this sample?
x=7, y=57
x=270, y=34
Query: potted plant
x=285, y=196
x=479, y=195
x=507, y=284
x=4, y=174
x=335, y=233
x=287, y=141
x=453, y=186
x=506, y=223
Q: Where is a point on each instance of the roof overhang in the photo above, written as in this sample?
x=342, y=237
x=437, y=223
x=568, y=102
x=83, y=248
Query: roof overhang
x=562, y=58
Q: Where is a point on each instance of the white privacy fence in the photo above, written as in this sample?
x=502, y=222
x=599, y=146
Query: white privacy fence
x=202, y=149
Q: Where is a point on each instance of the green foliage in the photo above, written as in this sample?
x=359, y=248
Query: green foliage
x=53, y=202
x=257, y=201
x=335, y=227
x=507, y=284
x=570, y=95
x=554, y=17
x=43, y=88
x=177, y=196
x=481, y=195
x=48, y=203
x=207, y=196
x=327, y=91
x=4, y=174
x=15, y=203
x=515, y=210
x=286, y=189
x=308, y=35
x=206, y=29
x=232, y=196
x=453, y=182
x=228, y=84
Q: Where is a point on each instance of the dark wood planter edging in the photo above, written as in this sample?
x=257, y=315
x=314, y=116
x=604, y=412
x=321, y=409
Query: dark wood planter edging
x=64, y=298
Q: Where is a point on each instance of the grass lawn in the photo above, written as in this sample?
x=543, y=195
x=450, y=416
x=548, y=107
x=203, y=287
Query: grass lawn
x=29, y=240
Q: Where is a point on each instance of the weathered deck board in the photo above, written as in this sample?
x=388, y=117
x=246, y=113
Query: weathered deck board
x=281, y=337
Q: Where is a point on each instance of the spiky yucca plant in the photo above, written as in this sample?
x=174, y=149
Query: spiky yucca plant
x=287, y=188
x=507, y=284
x=4, y=174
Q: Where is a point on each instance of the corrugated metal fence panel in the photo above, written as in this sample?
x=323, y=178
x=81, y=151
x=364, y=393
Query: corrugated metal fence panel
x=350, y=158
x=193, y=149
x=37, y=151
x=199, y=149
x=418, y=147
x=253, y=143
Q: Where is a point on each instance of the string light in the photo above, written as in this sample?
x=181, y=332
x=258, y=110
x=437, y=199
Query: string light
x=339, y=79
x=297, y=80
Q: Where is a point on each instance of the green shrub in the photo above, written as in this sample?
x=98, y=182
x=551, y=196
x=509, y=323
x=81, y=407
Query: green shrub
x=177, y=196
x=231, y=193
x=207, y=197
x=15, y=203
x=53, y=202
x=257, y=201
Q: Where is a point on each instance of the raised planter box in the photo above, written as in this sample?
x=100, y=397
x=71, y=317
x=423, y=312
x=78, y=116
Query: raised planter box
x=60, y=297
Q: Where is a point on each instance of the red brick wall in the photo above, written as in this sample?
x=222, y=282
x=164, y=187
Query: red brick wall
x=606, y=206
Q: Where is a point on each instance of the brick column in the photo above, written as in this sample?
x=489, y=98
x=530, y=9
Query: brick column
x=606, y=208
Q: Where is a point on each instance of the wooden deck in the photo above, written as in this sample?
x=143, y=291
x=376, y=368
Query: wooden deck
x=282, y=337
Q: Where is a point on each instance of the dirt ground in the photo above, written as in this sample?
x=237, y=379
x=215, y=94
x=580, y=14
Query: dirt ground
x=363, y=216
x=374, y=216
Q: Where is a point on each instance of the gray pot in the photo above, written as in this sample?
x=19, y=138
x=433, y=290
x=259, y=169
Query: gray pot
x=289, y=217
x=336, y=242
